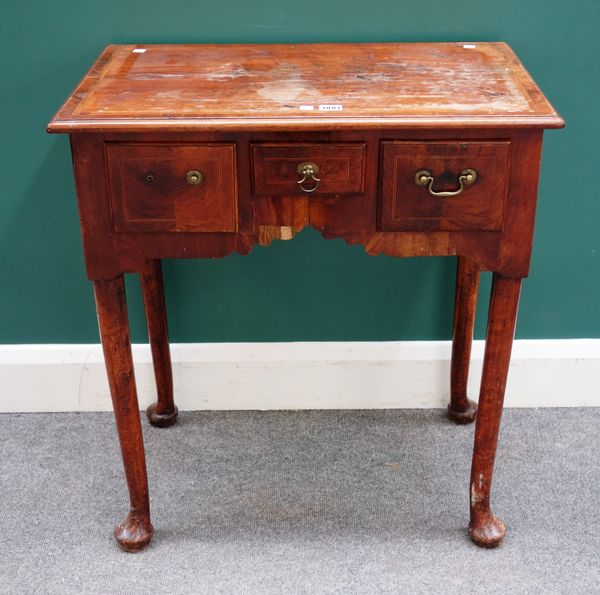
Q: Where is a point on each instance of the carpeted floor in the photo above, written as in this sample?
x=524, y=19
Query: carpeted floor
x=300, y=502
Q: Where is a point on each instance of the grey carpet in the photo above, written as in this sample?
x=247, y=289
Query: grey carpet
x=300, y=502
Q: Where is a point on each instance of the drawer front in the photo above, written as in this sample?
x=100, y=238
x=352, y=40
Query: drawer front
x=445, y=185
x=340, y=168
x=172, y=187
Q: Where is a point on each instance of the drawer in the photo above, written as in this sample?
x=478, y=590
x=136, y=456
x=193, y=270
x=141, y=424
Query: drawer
x=172, y=187
x=339, y=167
x=443, y=185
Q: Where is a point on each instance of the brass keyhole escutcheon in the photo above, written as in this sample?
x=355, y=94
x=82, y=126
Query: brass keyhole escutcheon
x=194, y=177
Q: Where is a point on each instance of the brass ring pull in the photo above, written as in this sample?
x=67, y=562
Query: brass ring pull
x=308, y=170
x=467, y=177
x=194, y=177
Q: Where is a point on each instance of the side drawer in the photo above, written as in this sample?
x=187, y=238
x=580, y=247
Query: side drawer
x=340, y=168
x=443, y=185
x=157, y=187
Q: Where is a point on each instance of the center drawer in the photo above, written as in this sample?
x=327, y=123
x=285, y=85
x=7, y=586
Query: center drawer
x=287, y=169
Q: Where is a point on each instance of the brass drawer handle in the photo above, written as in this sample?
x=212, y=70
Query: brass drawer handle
x=467, y=177
x=194, y=177
x=308, y=170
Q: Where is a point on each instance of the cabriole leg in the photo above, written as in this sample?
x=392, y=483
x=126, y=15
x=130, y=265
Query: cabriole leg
x=485, y=529
x=461, y=409
x=136, y=530
x=163, y=413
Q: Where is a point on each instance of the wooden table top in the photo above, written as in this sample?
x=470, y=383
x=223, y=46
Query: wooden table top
x=316, y=86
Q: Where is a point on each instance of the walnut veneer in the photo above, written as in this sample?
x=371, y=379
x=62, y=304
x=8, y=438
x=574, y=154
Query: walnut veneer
x=197, y=151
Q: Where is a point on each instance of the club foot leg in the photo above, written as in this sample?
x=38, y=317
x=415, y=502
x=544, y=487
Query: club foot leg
x=161, y=419
x=462, y=410
x=463, y=413
x=134, y=533
x=487, y=530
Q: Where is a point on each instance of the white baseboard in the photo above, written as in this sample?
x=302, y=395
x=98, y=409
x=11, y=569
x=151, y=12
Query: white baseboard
x=324, y=375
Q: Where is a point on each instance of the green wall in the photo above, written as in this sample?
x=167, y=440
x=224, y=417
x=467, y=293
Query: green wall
x=307, y=289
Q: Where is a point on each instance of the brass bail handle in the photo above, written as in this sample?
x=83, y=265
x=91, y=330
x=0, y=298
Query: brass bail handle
x=308, y=170
x=467, y=177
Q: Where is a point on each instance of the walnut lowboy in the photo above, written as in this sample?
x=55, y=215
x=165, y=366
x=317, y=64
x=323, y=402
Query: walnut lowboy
x=197, y=151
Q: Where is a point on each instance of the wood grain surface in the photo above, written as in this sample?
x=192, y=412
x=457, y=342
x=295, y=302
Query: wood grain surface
x=212, y=87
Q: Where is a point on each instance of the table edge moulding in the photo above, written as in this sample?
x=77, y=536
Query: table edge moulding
x=409, y=149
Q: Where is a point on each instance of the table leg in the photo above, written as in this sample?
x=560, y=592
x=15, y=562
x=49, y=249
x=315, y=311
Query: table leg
x=135, y=531
x=163, y=413
x=461, y=409
x=485, y=529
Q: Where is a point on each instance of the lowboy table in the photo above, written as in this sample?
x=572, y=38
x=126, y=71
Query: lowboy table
x=197, y=151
